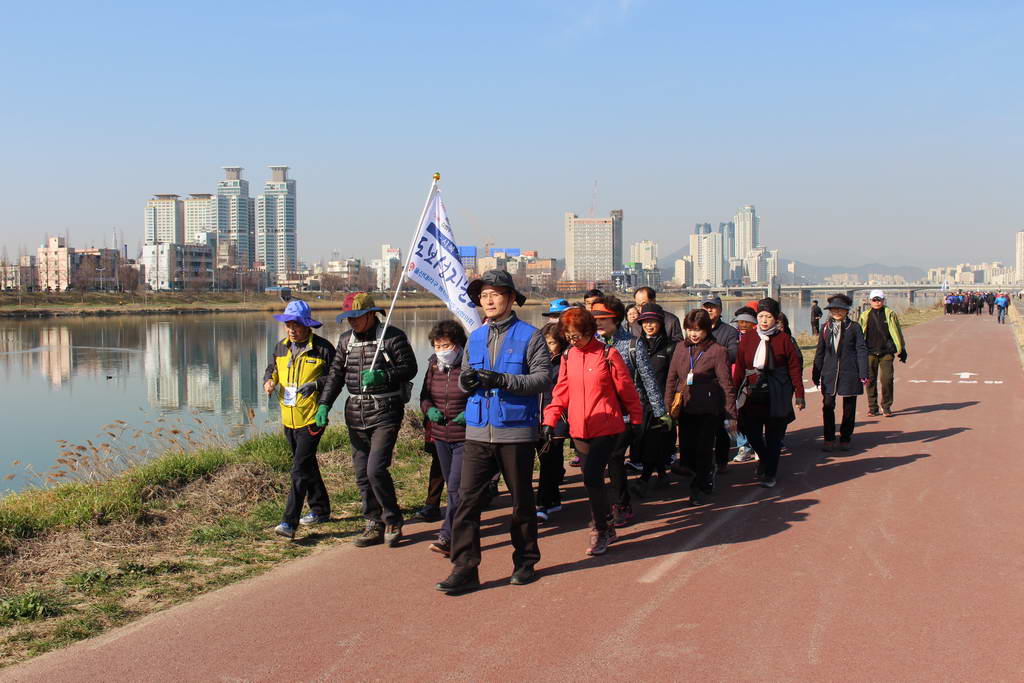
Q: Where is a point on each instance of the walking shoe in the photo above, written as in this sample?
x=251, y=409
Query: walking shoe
x=759, y=472
x=598, y=543
x=622, y=515
x=744, y=454
x=427, y=513
x=575, y=462
x=460, y=582
x=313, y=518
x=873, y=412
x=542, y=514
x=696, y=498
x=682, y=470
x=828, y=446
x=393, y=534
x=443, y=546
x=372, y=535
x=638, y=466
x=844, y=445
x=887, y=412
x=523, y=575
x=768, y=482
x=610, y=535
x=285, y=529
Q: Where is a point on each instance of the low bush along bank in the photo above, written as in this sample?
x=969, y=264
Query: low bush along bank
x=80, y=557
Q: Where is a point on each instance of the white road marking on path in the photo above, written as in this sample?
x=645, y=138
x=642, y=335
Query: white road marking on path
x=965, y=375
x=993, y=381
x=918, y=381
x=967, y=381
x=659, y=570
x=942, y=381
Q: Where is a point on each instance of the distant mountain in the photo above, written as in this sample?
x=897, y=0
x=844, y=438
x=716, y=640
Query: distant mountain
x=815, y=273
x=811, y=272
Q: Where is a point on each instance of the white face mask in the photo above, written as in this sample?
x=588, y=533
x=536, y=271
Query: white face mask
x=447, y=357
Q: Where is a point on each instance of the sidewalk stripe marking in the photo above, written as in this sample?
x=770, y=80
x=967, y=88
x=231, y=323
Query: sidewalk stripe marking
x=942, y=381
x=918, y=381
x=967, y=381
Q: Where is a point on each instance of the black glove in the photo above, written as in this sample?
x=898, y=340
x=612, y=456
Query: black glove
x=546, y=434
x=306, y=389
x=491, y=380
x=470, y=380
x=903, y=356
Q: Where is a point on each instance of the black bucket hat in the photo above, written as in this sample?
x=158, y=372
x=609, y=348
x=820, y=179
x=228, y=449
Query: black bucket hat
x=494, y=278
x=840, y=301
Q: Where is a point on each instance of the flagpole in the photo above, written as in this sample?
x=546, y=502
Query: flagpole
x=405, y=268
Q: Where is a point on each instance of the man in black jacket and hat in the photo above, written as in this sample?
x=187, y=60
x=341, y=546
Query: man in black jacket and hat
x=378, y=391
x=505, y=368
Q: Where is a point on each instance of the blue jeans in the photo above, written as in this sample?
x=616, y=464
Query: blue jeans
x=449, y=454
x=1001, y=318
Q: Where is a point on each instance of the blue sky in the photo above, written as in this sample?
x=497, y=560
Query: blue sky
x=875, y=132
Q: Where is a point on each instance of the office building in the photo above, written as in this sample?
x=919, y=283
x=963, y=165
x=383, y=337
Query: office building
x=541, y=273
x=467, y=255
x=200, y=217
x=728, y=232
x=772, y=266
x=747, y=231
x=53, y=265
x=684, y=272
x=235, y=217
x=276, y=232
x=702, y=229
x=177, y=266
x=706, y=252
x=645, y=253
x=164, y=219
x=1020, y=257
x=593, y=247
x=755, y=265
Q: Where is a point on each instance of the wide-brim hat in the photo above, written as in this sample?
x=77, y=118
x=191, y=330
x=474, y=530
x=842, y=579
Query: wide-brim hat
x=839, y=301
x=651, y=311
x=297, y=311
x=494, y=278
x=357, y=304
x=556, y=308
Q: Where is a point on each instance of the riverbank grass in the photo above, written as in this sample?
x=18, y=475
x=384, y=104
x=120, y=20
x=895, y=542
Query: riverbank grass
x=79, y=558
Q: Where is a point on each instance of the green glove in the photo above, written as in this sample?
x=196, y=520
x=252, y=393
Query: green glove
x=460, y=419
x=321, y=415
x=666, y=420
x=434, y=415
x=372, y=378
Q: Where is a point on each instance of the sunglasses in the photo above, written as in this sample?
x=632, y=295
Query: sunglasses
x=877, y=299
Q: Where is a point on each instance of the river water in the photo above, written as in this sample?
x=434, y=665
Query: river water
x=68, y=378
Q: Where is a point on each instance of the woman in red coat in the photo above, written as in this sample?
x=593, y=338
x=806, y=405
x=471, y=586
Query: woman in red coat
x=594, y=386
x=768, y=372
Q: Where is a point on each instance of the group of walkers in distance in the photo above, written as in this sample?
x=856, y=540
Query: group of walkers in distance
x=975, y=303
x=632, y=390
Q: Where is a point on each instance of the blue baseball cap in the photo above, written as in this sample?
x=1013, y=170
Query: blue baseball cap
x=556, y=308
x=298, y=311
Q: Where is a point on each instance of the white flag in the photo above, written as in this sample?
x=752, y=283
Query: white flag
x=435, y=265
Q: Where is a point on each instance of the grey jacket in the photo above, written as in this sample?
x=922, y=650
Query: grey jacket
x=535, y=382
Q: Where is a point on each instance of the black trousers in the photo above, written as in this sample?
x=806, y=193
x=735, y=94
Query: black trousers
x=656, y=451
x=307, y=484
x=552, y=474
x=722, y=443
x=617, y=468
x=697, y=445
x=480, y=462
x=372, y=450
x=436, y=484
x=815, y=326
x=765, y=434
x=595, y=455
x=828, y=415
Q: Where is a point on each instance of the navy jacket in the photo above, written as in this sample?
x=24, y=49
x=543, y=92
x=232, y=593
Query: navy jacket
x=839, y=373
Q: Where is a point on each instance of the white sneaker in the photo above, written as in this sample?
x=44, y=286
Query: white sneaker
x=768, y=482
x=542, y=514
x=744, y=454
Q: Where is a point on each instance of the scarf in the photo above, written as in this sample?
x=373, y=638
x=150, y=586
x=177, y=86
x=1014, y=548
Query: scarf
x=835, y=329
x=761, y=356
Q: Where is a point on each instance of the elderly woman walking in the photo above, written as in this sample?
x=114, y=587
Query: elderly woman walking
x=767, y=370
x=840, y=370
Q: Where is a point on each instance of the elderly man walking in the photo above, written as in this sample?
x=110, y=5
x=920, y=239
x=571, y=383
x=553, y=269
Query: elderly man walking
x=885, y=342
x=505, y=369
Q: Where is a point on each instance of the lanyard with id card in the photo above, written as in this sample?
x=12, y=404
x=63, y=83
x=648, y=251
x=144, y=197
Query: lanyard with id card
x=689, y=375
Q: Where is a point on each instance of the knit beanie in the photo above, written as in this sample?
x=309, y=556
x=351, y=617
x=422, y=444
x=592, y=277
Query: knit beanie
x=770, y=305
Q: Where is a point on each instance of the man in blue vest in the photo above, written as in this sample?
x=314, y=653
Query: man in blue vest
x=505, y=369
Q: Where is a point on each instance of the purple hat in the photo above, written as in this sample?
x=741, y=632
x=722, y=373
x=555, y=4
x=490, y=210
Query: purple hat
x=298, y=311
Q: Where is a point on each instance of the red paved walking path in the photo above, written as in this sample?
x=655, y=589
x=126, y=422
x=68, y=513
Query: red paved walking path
x=902, y=560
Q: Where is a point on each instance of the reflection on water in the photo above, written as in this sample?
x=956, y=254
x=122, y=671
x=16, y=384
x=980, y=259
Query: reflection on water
x=66, y=378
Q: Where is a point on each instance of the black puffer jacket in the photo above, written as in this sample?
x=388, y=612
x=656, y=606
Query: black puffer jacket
x=381, y=405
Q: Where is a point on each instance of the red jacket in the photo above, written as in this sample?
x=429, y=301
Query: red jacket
x=594, y=385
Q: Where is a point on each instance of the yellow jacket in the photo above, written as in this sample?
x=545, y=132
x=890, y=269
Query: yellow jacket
x=310, y=365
